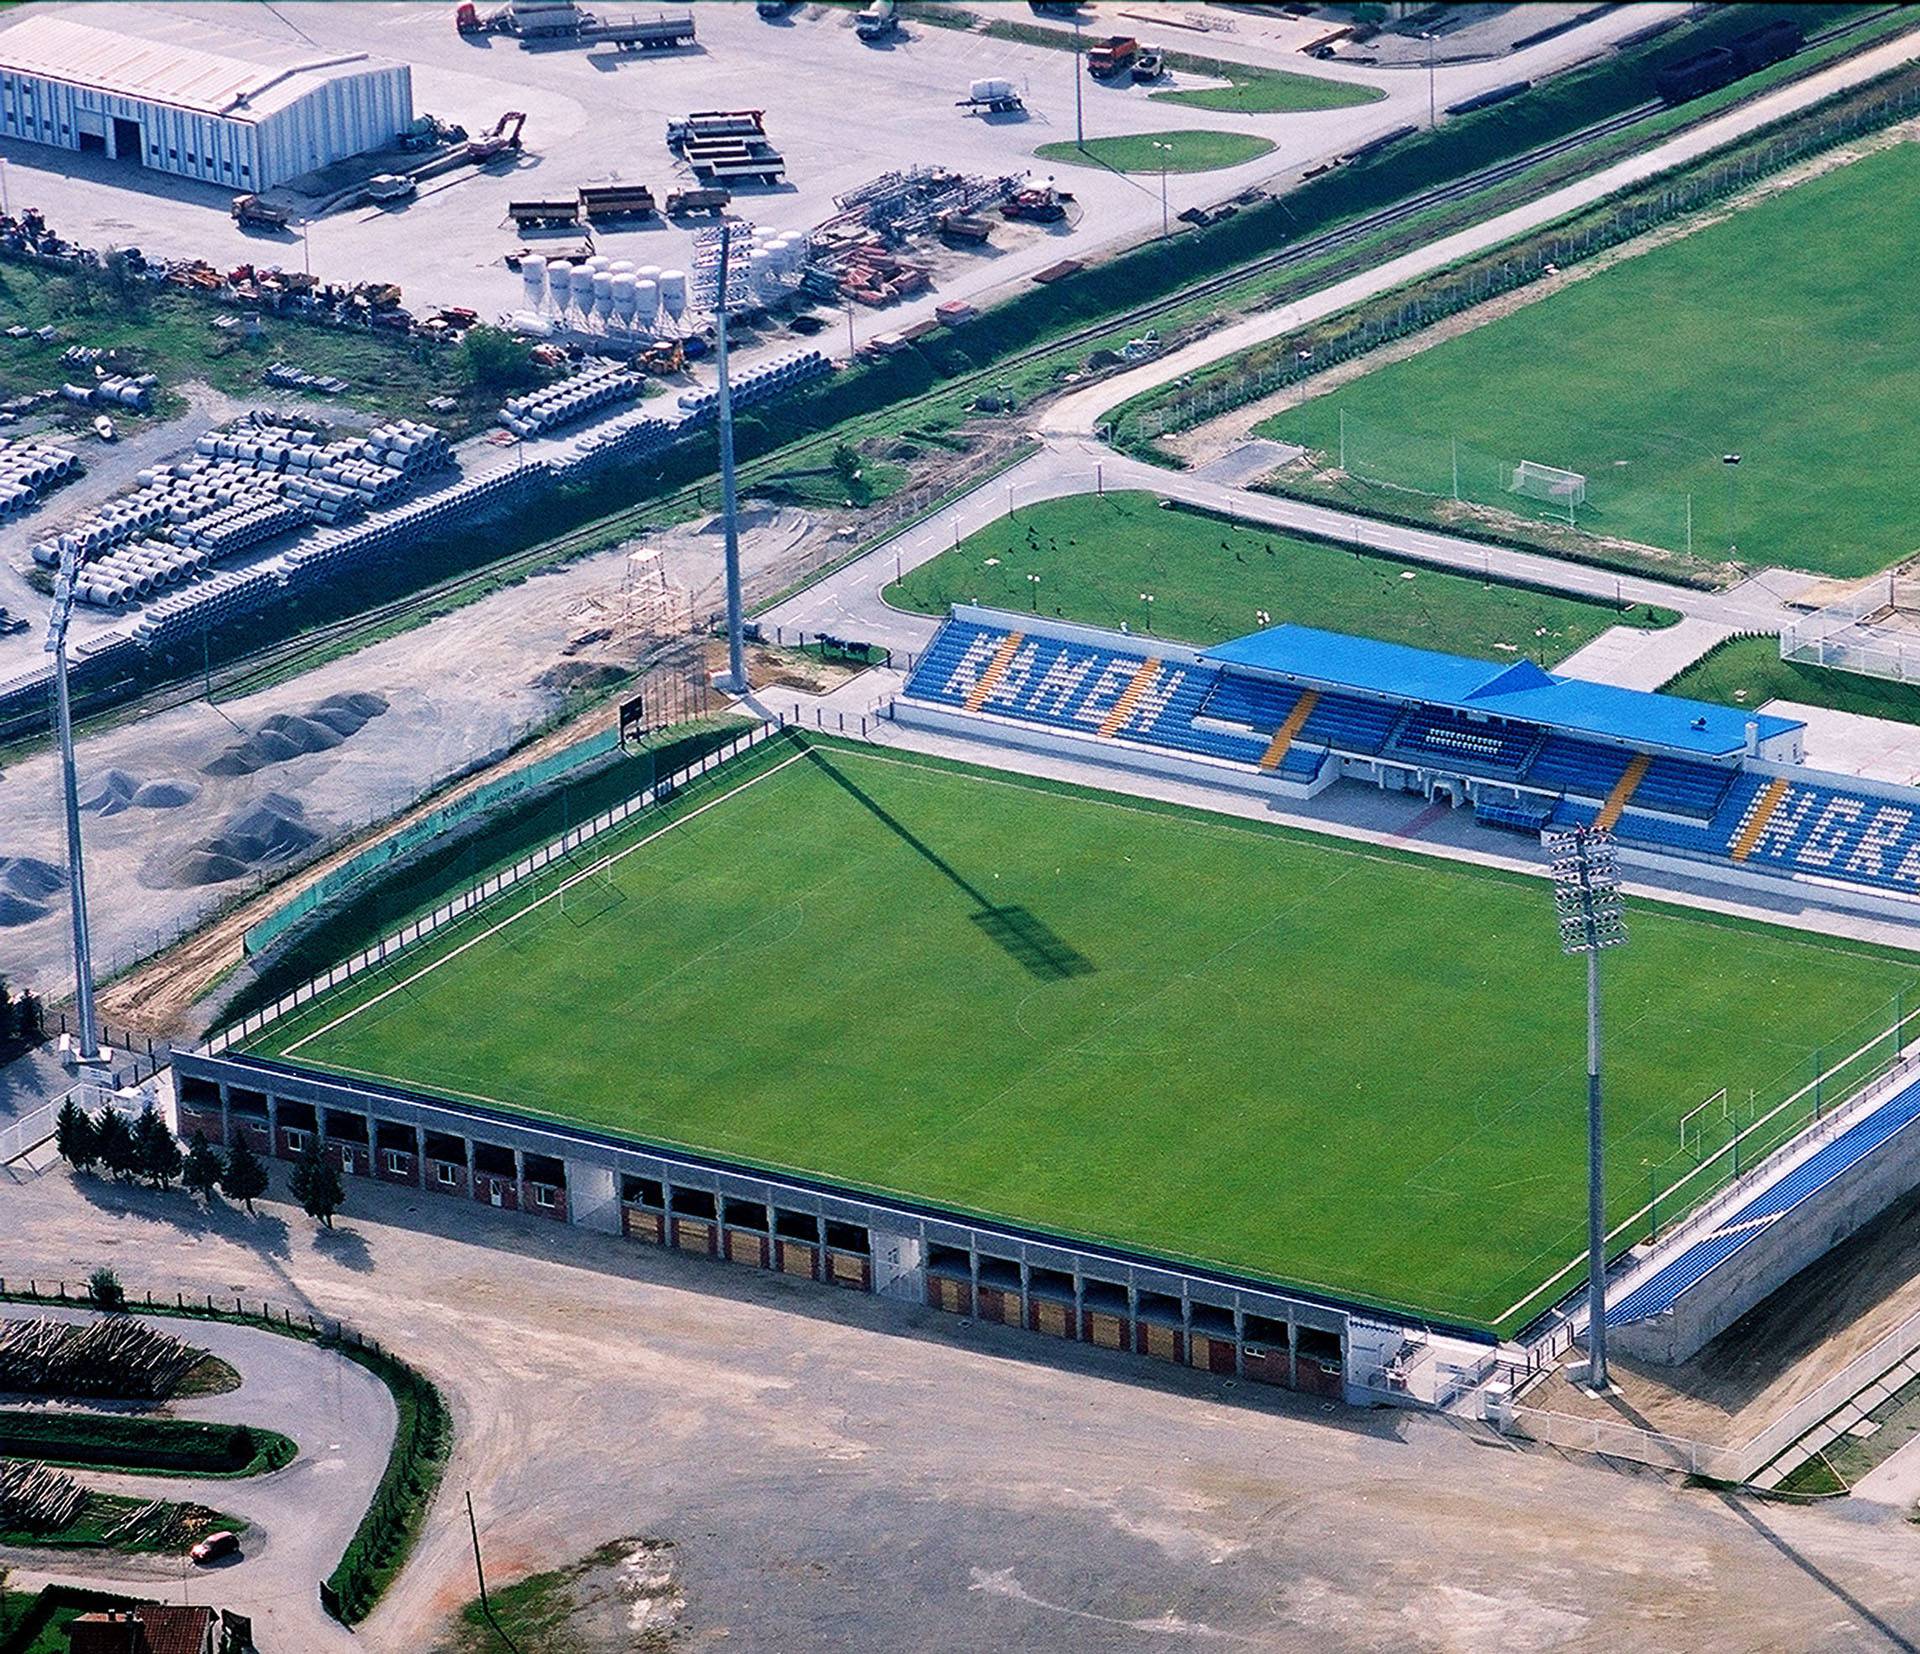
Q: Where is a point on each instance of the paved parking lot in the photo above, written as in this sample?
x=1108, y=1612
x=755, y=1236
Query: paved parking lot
x=841, y=111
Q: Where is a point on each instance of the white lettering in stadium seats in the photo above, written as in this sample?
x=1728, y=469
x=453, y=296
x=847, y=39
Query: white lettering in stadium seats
x=1829, y=833
x=968, y=668
x=1153, y=699
x=1908, y=872
x=1107, y=688
x=1058, y=685
x=1013, y=681
x=1783, y=826
x=1888, y=826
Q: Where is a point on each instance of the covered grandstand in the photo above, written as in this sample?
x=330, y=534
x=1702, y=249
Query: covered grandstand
x=1292, y=709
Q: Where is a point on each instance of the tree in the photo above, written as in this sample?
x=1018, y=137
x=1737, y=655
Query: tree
x=104, y=1290
x=75, y=1136
x=316, y=1184
x=158, y=1149
x=243, y=1178
x=113, y=1139
x=8, y=1014
x=202, y=1170
x=493, y=359
x=30, y=1018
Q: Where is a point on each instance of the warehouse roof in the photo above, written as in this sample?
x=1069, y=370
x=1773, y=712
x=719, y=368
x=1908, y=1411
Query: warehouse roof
x=1520, y=690
x=249, y=78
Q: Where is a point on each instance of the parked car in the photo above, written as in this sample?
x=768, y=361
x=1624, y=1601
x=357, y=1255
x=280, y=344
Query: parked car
x=214, y=1548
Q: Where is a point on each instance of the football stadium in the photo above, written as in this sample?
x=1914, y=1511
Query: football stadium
x=1201, y=1084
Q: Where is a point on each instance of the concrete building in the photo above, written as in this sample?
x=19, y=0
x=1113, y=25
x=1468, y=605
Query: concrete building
x=245, y=113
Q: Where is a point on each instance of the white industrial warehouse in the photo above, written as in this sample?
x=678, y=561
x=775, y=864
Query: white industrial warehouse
x=231, y=108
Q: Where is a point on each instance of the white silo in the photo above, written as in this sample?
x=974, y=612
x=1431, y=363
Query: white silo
x=673, y=293
x=646, y=301
x=622, y=297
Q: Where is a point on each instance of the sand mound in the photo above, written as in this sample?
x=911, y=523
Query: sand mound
x=16, y=911
x=292, y=735
x=111, y=794
x=27, y=885
x=31, y=878
x=166, y=795
x=270, y=831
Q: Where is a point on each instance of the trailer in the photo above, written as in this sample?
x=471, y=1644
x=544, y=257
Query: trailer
x=617, y=201
x=524, y=213
x=564, y=23
x=768, y=167
x=992, y=97
x=715, y=123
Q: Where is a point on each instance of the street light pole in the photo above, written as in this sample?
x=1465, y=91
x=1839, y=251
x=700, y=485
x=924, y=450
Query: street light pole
x=1732, y=463
x=89, y=1049
x=1433, y=116
x=1079, y=121
x=736, y=681
x=1165, y=151
x=1587, y=896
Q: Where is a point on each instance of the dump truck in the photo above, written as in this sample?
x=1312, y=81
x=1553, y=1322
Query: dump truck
x=1113, y=56
x=251, y=213
x=680, y=202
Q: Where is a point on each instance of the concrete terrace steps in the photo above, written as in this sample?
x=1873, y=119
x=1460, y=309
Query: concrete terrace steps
x=1755, y=821
x=1283, y=736
x=1115, y=720
x=1623, y=789
x=996, y=670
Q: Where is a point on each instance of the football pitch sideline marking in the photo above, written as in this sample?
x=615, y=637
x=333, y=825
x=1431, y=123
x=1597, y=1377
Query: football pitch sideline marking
x=558, y=890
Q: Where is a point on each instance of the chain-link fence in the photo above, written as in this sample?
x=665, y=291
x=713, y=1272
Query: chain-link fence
x=1428, y=464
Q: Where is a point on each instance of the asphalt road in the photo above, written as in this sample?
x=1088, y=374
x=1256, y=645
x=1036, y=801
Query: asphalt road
x=837, y=1473
x=300, y=1518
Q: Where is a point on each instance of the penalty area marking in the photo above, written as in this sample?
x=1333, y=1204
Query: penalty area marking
x=558, y=890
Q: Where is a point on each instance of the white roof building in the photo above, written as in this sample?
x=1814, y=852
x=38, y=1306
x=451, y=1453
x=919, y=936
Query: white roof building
x=244, y=113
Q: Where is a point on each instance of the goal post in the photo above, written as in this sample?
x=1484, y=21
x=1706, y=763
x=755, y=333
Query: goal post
x=1696, y=1117
x=1549, y=483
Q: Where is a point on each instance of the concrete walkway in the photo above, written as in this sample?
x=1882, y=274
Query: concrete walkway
x=342, y=1418
x=1636, y=659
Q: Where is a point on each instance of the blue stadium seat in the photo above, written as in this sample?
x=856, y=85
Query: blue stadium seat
x=1349, y=724
x=1501, y=749
x=1566, y=764
x=1680, y=787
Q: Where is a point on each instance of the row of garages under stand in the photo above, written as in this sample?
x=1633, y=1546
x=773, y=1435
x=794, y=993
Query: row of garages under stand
x=1214, y=1324
x=187, y=98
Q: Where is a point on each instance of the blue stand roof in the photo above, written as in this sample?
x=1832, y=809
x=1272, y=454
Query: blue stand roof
x=1520, y=691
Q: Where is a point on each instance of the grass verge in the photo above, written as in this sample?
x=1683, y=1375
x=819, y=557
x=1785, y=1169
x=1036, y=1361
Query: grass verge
x=1748, y=671
x=147, y=1446
x=1096, y=556
x=1190, y=150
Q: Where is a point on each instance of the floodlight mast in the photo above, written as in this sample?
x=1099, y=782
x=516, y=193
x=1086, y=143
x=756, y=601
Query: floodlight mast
x=735, y=682
x=89, y=1046
x=1587, y=896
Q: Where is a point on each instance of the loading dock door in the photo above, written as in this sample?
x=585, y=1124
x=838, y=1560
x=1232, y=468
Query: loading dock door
x=128, y=142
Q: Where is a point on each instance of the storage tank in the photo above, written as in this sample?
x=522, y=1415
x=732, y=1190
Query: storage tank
x=598, y=262
x=533, y=272
x=647, y=272
x=646, y=300
x=673, y=293
x=623, y=294
x=602, y=291
x=620, y=267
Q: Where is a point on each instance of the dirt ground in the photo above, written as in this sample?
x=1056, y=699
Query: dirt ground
x=1784, y=1348
x=835, y=1472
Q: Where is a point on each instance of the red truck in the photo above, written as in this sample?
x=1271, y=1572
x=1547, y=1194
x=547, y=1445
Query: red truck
x=1113, y=56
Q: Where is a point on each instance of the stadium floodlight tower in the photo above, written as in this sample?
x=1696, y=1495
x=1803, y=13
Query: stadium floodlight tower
x=721, y=283
x=88, y=1045
x=1586, y=893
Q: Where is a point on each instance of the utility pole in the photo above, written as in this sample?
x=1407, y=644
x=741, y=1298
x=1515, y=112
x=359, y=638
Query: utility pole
x=1165, y=151
x=1079, y=120
x=89, y=1046
x=1433, y=115
x=480, y=1572
x=1587, y=896
x=1732, y=463
x=735, y=682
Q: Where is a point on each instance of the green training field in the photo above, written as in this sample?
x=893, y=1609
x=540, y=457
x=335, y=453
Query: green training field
x=1748, y=671
x=1778, y=334
x=1185, y=151
x=1314, y=1062
x=1211, y=580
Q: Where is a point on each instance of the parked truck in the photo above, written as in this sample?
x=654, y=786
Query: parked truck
x=878, y=21
x=562, y=22
x=251, y=213
x=1112, y=57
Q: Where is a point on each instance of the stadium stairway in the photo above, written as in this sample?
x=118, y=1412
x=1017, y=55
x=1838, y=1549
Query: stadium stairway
x=1173, y=702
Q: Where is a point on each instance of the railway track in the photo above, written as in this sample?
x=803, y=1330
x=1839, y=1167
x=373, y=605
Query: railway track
x=275, y=659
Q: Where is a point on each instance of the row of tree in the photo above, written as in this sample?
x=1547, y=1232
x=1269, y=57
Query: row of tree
x=23, y=1019
x=146, y=1149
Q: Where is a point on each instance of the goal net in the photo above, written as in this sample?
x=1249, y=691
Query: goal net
x=1549, y=483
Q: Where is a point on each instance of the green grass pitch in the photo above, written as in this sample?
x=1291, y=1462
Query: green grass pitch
x=1315, y=1062
x=1210, y=580
x=1777, y=334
